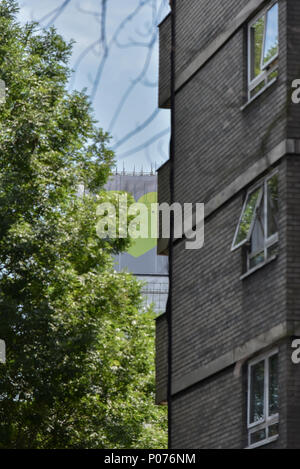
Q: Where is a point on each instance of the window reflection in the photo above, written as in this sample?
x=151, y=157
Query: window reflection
x=263, y=50
x=263, y=407
x=246, y=221
x=257, y=33
x=258, y=225
x=257, y=392
x=271, y=35
x=273, y=385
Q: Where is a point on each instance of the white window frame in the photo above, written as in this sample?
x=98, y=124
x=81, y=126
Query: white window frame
x=263, y=77
x=258, y=202
x=267, y=420
x=268, y=241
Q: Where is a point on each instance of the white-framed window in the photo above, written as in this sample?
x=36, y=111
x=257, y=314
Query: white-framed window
x=257, y=229
x=263, y=408
x=263, y=50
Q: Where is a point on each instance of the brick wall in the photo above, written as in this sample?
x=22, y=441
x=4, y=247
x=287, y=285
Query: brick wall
x=204, y=417
x=293, y=64
x=199, y=22
x=215, y=311
x=212, y=414
x=161, y=359
x=216, y=141
x=163, y=196
x=293, y=298
x=164, y=61
x=293, y=237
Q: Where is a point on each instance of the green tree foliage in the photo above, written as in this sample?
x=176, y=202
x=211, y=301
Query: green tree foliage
x=79, y=370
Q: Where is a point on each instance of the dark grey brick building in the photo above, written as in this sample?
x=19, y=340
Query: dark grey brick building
x=235, y=302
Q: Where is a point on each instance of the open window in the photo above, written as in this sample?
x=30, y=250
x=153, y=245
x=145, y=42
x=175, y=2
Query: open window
x=257, y=230
x=263, y=407
x=263, y=50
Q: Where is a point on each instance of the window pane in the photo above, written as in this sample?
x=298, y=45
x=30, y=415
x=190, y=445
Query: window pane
x=257, y=374
x=258, y=88
x=273, y=385
x=273, y=205
x=256, y=437
x=257, y=259
x=258, y=237
x=257, y=39
x=273, y=430
x=271, y=38
x=247, y=217
x=273, y=250
x=272, y=75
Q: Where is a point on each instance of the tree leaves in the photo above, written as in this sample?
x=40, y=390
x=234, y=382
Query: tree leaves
x=80, y=346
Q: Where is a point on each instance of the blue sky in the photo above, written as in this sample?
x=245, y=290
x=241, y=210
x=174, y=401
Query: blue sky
x=125, y=62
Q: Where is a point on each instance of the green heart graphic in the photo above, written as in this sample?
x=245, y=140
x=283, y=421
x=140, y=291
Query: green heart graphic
x=142, y=245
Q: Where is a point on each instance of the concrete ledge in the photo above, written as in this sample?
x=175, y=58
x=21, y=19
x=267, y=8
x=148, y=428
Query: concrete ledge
x=161, y=360
x=286, y=147
x=162, y=246
x=283, y=148
x=165, y=19
x=242, y=352
x=161, y=397
x=162, y=316
x=200, y=60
